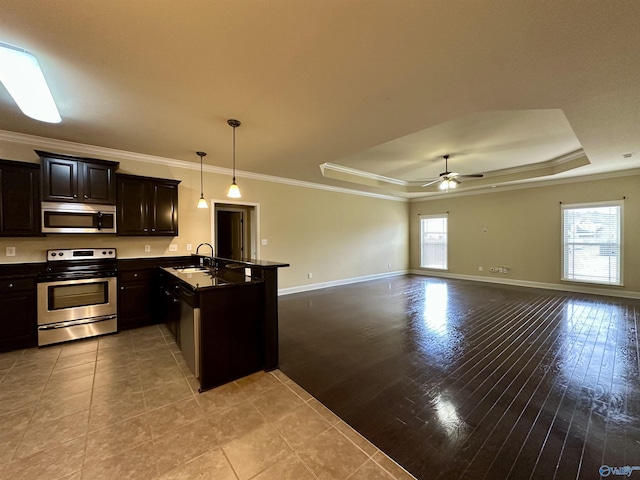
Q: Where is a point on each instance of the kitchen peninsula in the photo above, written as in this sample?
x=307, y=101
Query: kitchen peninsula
x=224, y=316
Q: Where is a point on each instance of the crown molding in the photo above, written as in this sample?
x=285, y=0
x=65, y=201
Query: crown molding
x=114, y=154
x=325, y=167
x=531, y=184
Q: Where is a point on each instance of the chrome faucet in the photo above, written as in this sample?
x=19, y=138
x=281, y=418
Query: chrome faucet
x=210, y=246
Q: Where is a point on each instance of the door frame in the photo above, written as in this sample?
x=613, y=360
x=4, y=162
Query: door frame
x=254, y=219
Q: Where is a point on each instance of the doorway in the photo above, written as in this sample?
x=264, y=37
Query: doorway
x=235, y=230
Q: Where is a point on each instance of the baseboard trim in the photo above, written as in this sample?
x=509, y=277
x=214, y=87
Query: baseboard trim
x=525, y=283
x=337, y=283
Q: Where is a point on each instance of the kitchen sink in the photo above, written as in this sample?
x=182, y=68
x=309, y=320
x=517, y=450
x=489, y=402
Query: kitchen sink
x=191, y=269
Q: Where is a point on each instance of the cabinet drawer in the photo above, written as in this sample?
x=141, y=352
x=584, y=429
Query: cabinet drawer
x=15, y=284
x=135, y=275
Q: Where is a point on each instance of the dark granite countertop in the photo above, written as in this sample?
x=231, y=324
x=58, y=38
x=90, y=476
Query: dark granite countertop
x=246, y=262
x=199, y=278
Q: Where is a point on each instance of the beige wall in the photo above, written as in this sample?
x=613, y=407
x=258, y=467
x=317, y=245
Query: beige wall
x=523, y=230
x=334, y=236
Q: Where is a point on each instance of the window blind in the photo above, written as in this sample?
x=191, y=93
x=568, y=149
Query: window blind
x=592, y=243
x=433, y=241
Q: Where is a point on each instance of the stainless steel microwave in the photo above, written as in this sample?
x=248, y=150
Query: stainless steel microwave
x=78, y=218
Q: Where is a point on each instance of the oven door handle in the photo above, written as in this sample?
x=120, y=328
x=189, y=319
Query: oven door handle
x=71, y=323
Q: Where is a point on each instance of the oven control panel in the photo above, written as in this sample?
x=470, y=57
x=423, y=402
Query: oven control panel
x=81, y=254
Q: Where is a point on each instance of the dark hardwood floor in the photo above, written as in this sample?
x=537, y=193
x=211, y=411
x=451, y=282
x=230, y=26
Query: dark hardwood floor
x=457, y=379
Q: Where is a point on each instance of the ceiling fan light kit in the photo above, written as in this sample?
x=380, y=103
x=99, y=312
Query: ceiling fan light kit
x=449, y=179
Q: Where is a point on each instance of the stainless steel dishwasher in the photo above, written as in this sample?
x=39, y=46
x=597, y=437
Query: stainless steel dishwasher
x=190, y=328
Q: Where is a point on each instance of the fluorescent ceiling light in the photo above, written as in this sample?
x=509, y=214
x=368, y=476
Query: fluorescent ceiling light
x=21, y=75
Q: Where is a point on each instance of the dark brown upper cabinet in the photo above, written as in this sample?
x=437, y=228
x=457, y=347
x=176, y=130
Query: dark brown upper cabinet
x=19, y=199
x=147, y=206
x=66, y=178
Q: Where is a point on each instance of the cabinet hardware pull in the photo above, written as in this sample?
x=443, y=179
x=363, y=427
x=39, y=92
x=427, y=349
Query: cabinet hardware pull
x=86, y=196
x=11, y=285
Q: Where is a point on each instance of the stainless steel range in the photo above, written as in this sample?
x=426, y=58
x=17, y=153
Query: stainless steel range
x=77, y=295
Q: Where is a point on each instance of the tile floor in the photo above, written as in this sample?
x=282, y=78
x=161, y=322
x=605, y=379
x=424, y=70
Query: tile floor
x=125, y=406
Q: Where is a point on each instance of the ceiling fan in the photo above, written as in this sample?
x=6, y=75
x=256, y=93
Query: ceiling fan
x=449, y=179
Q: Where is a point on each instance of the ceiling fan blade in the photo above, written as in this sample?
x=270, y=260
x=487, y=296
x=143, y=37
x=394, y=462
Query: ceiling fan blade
x=432, y=182
x=475, y=175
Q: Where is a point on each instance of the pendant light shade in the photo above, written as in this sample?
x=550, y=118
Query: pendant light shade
x=234, y=191
x=202, y=203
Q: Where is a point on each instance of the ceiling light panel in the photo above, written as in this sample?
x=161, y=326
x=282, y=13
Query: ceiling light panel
x=21, y=75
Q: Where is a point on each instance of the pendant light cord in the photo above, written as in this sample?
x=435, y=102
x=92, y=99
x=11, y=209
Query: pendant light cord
x=201, y=154
x=234, y=154
x=234, y=124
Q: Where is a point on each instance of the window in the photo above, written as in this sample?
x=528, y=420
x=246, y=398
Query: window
x=592, y=243
x=433, y=241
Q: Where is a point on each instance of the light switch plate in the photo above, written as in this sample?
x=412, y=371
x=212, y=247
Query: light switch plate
x=173, y=247
x=263, y=241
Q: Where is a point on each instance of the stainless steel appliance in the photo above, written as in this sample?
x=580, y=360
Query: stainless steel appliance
x=63, y=217
x=77, y=295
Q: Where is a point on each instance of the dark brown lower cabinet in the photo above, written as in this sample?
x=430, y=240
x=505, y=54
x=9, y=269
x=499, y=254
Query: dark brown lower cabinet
x=17, y=313
x=140, y=299
x=135, y=295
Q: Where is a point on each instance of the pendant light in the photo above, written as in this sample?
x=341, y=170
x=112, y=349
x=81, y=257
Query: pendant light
x=202, y=203
x=234, y=191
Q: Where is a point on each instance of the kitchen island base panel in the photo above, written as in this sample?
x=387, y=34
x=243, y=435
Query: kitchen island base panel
x=231, y=334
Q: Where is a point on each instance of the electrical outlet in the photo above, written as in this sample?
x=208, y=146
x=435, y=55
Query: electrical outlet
x=147, y=248
x=173, y=247
x=310, y=275
x=264, y=241
x=11, y=251
x=388, y=265
x=189, y=247
x=479, y=269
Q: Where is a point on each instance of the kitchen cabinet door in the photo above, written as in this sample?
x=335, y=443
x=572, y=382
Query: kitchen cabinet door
x=59, y=180
x=164, y=208
x=132, y=206
x=98, y=183
x=19, y=199
x=147, y=206
x=18, y=318
x=134, y=299
x=66, y=178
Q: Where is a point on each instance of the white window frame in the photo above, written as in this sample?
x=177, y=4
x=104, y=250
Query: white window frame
x=423, y=260
x=564, y=242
